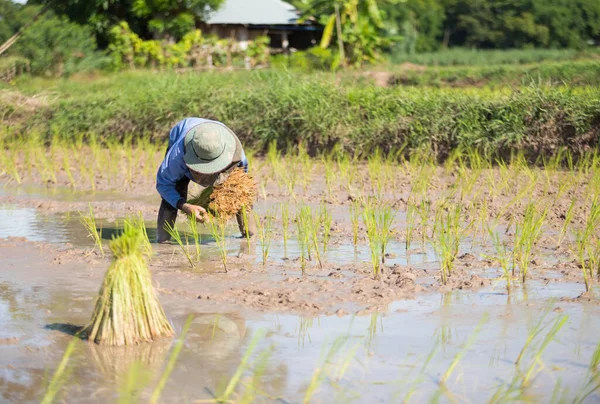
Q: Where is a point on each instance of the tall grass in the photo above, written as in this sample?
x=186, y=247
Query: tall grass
x=313, y=111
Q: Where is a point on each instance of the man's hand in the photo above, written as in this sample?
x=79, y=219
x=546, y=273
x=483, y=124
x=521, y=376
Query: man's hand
x=195, y=211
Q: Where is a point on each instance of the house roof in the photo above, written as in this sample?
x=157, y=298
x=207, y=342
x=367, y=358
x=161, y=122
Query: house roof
x=255, y=12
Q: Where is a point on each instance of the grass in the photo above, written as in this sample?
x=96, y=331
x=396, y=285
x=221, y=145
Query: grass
x=446, y=239
x=587, y=245
x=310, y=110
x=285, y=225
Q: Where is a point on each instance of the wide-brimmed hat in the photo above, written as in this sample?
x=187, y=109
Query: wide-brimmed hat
x=211, y=147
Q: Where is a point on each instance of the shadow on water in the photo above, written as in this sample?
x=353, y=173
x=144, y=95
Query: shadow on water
x=65, y=328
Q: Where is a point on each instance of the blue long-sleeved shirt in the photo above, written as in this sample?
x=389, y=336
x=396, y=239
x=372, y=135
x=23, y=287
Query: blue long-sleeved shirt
x=173, y=168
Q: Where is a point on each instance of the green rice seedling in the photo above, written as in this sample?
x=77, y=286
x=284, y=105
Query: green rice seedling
x=303, y=224
x=375, y=170
x=325, y=220
x=9, y=162
x=171, y=362
x=285, y=224
x=355, y=213
x=527, y=234
x=502, y=256
x=127, y=311
x=196, y=235
x=225, y=395
x=446, y=239
x=246, y=224
x=592, y=378
x=67, y=170
x=137, y=222
x=265, y=233
x=424, y=212
x=217, y=229
x=464, y=349
x=377, y=221
x=536, y=364
x=568, y=219
x=411, y=221
x=319, y=375
x=330, y=173
x=585, y=244
x=61, y=374
x=89, y=222
x=175, y=235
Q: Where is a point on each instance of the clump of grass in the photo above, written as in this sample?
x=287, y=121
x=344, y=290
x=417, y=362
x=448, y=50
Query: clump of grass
x=127, y=310
x=527, y=234
x=226, y=199
x=568, y=219
x=503, y=257
x=89, y=222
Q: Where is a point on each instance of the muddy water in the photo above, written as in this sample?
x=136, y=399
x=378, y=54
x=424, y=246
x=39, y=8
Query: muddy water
x=383, y=353
x=402, y=349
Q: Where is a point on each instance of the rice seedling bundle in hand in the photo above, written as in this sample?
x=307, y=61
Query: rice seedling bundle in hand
x=127, y=310
x=226, y=199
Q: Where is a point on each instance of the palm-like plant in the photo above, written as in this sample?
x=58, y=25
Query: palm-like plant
x=357, y=25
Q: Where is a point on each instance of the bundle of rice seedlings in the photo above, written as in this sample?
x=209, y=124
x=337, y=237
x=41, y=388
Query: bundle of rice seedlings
x=226, y=199
x=127, y=310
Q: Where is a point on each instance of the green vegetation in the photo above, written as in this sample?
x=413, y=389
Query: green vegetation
x=313, y=111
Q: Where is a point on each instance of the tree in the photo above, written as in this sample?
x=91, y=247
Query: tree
x=158, y=19
x=53, y=45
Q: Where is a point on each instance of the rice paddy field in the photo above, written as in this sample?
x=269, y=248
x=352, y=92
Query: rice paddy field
x=401, y=255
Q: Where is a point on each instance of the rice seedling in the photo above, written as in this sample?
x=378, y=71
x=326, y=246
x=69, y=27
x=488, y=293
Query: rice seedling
x=176, y=235
x=67, y=170
x=217, y=229
x=527, y=234
x=89, y=222
x=137, y=222
x=303, y=224
x=225, y=395
x=411, y=218
x=285, y=225
x=246, y=225
x=592, y=378
x=377, y=220
x=319, y=375
x=325, y=220
x=458, y=357
x=61, y=374
x=171, y=362
x=127, y=310
x=10, y=166
x=567, y=222
x=585, y=244
x=446, y=239
x=424, y=213
x=196, y=235
x=265, y=234
x=502, y=256
x=228, y=198
x=355, y=213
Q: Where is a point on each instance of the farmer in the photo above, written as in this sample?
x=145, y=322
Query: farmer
x=202, y=151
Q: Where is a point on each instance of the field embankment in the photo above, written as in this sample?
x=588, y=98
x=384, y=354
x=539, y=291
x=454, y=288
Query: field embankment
x=318, y=111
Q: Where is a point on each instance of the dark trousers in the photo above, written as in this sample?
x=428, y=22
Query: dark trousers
x=168, y=213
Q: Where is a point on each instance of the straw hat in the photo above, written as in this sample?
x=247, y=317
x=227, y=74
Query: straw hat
x=211, y=147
